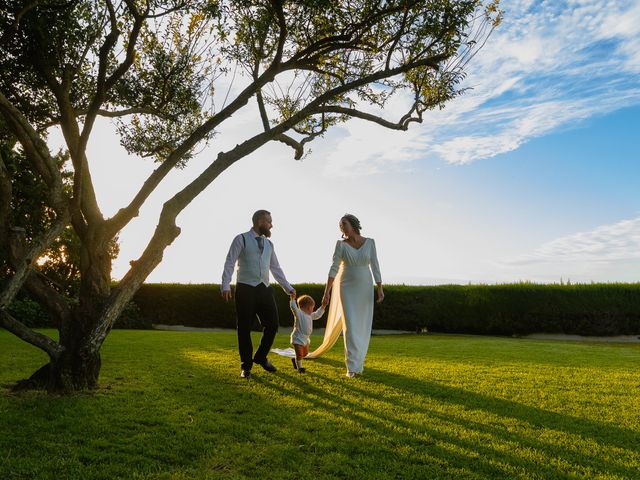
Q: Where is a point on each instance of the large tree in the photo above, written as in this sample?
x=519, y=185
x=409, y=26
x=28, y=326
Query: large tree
x=155, y=67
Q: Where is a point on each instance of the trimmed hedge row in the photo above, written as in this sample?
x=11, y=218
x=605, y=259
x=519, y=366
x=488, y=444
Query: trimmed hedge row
x=509, y=309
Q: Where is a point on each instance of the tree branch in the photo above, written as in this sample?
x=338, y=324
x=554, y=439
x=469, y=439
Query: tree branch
x=124, y=215
x=113, y=114
x=16, y=22
x=402, y=124
x=84, y=204
x=83, y=192
x=22, y=261
x=167, y=231
x=52, y=348
x=311, y=66
x=34, y=147
x=38, y=155
x=101, y=81
x=6, y=195
x=397, y=38
x=179, y=6
x=24, y=274
x=432, y=62
x=345, y=39
x=282, y=36
x=287, y=140
x=131, y=45
x=55, y=303
x=103, y=85
x=297, y=146
x=23, y=270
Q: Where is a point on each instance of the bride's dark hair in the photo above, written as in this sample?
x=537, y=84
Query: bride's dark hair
x=353, y=221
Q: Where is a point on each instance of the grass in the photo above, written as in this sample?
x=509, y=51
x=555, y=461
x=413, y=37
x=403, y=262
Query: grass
x=172, y=406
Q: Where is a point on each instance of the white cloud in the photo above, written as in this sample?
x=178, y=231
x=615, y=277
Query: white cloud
x=548, y=66
x=522, y=122
x=465, y=149
x=553, y=69
x=622, y=23
x=616, y=242
x=625, y=24
x=367, y=149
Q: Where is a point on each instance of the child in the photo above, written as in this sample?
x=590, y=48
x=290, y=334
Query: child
x=303, y=326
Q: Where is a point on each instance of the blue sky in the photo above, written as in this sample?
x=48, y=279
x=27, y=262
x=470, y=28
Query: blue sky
x=531, y=175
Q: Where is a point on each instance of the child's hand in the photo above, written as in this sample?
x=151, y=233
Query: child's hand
x=293, y=295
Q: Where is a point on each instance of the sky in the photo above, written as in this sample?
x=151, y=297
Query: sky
x=531, y=175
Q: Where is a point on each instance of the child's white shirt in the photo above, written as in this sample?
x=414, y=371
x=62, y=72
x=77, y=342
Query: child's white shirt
x=303, y=323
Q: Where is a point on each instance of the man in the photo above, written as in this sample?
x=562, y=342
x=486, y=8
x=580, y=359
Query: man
x=255, y=256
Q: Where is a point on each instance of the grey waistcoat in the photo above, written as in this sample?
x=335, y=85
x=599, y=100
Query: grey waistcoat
x=253, y=268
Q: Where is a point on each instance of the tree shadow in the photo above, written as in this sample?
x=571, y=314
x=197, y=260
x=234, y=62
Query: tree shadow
x=424, y=444
x=604, y=434
x=382, y=422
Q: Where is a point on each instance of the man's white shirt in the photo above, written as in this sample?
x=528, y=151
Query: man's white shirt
x=232, y=257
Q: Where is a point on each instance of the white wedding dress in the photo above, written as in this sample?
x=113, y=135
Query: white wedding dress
x=351, y=306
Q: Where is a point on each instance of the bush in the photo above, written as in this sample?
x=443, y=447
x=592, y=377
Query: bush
x=132, y=318
x=30, y=313
x=191, y=305
x=510, y=309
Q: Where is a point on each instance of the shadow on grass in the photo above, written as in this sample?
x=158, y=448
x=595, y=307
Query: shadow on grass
x=603, y=434
x=182, y=414
x=451, y=442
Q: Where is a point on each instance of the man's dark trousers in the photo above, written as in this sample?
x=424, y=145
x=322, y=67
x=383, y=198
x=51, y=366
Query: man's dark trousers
x=251, y=302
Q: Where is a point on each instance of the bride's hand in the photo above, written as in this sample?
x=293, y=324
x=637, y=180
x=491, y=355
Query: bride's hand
x=325, y=299
x=380, y=295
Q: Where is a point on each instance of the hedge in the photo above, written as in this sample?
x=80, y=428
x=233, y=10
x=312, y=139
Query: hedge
x=509, y=309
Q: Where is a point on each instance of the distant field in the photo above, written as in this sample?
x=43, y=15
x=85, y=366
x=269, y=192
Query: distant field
x=172, y=406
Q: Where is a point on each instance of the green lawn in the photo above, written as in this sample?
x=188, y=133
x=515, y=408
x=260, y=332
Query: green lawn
x=172, y=406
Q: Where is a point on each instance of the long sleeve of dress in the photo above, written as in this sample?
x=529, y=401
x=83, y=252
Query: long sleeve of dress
x=337, y=258
x=375, y=266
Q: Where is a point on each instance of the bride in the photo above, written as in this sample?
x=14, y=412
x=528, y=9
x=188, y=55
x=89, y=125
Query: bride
x=350, y=288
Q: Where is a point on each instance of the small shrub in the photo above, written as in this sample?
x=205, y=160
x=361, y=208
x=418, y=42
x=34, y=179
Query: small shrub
x=132, y=318
x=30, y=313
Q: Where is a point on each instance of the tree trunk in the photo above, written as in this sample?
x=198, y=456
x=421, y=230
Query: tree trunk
x=73, y=371
x=78, y=366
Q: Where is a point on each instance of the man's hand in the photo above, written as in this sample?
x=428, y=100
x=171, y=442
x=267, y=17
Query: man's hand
x=226, y=295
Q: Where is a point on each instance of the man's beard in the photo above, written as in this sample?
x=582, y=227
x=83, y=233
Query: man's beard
x=264, y=231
